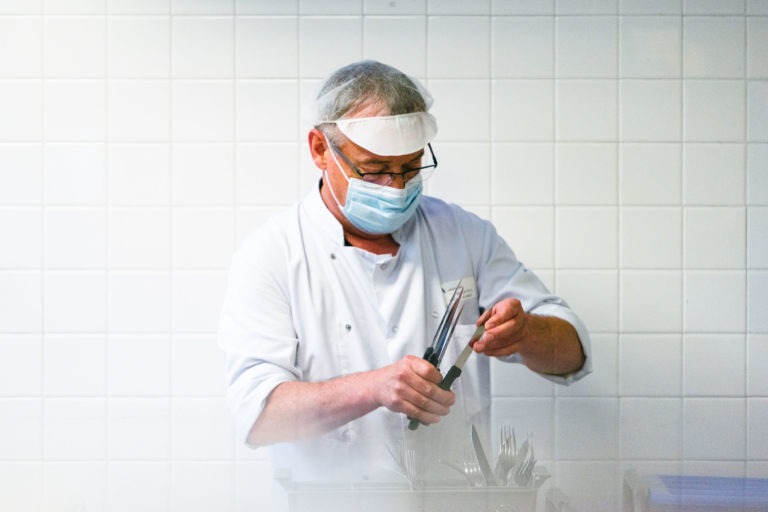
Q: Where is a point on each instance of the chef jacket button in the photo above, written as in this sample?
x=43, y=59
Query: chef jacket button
x=435, y=314
x=383, y=266
x=348, y=327
x=333, y=256
x=394, y=328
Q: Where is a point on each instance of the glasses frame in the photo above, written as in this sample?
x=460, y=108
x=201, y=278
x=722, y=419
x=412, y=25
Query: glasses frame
x=373, y=177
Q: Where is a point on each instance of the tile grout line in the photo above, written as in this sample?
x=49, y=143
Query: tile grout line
x=171, y=274
x=556, y=398
x=683, y=216
x=43, y=272
x=745, y=261
x=107, y=273
x=619, y=252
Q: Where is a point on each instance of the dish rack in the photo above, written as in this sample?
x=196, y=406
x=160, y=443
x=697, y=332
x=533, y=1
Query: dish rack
x=394, y=497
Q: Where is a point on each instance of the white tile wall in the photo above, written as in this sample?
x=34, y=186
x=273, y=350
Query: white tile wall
x=523, y=110
x=144, y=57
x=522, y=46
x=139, y=365
x=22, y=109
x=638, y=353
x=586, y=46
x=650, y=301
x=651, y=428
x=581, y=99
x=20, y=369
x=714, y=428
x=74, y=485
x=650, y=173
x=649, y=46
x=650, y=110
x=713, y=174
x=74, y=365
x=125, y=477
x=621, y=147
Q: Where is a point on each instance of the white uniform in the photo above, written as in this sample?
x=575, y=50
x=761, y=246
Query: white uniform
x=302, y=305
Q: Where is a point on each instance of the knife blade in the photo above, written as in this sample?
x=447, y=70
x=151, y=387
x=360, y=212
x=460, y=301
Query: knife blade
x=482, y=460
x=455, y=370
x=433, y=352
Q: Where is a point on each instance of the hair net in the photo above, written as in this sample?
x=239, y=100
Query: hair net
x=404, y=126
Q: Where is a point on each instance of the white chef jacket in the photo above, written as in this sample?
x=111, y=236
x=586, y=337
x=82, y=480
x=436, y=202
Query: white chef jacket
x=303, y=306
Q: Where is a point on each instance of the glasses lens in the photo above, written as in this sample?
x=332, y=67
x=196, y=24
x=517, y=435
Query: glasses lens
x=426, y=173
x=378, y=179
x=386, y=178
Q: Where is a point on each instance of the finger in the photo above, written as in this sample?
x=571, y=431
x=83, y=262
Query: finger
x=425, y=369
x=501, y=336
x=499, y=314
x=431, y=397
x=425, y=379
x=505, y=311
x=427, y=406
x=424, y=417
x=485, y=316
x=504, y=351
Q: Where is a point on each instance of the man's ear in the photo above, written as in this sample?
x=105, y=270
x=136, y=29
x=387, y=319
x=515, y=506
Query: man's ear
x=318, y=147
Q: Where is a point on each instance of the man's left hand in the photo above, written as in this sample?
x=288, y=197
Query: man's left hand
x=507, y=327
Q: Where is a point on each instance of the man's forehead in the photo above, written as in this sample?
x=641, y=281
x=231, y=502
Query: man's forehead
x=361, y=154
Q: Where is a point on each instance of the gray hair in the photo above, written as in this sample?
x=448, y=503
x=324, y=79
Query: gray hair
x=368, y=81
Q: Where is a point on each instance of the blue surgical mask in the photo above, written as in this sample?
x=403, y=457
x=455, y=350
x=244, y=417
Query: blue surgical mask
x=378, y=209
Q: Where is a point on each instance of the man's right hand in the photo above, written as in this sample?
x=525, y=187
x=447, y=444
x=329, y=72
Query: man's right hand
x=301, y=410
x=411, y=386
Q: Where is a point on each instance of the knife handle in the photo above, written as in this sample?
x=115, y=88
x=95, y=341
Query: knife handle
x=430, y=356
x=451, y=376
x=446, y=383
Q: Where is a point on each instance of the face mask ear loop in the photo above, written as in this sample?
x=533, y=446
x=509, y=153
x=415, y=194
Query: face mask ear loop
x=338, y=166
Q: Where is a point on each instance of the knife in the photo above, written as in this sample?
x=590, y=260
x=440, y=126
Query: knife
x=455, y=370
x=482, y=460
x=444, y=331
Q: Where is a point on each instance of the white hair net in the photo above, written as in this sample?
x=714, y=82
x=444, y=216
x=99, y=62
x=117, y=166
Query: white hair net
x=404, y=125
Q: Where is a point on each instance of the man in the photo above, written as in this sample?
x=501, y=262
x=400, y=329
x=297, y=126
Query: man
x=332, y=303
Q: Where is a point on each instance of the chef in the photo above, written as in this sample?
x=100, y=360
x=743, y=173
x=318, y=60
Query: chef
x=331, y=303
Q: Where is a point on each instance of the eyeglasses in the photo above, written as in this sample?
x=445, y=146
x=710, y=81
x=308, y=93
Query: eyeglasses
x=387, y=177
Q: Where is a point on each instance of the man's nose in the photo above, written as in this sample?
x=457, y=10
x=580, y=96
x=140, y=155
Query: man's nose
x=398, y=181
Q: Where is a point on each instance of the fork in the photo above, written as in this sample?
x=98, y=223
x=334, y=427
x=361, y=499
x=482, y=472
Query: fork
x=411, y=470
x=406, y=461
x=472, y=470
x=507, y=451
x=524, y=472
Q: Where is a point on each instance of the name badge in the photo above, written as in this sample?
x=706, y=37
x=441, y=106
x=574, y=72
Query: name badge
x=469, y=285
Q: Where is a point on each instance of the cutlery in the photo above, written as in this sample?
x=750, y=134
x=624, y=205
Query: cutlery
x=482, y=460
x=455, y=370
x=472, y=470
x=405, y=458
x=523, y=472
x=435, y=351
x=507, y=450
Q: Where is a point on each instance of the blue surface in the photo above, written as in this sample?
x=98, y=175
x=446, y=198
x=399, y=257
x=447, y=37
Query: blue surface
x=727, y=492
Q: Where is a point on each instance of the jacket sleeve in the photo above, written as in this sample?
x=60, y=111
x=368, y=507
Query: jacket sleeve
x=501, y=275
x=255, y=331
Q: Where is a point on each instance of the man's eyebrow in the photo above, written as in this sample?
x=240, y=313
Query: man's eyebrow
x=376, y=160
